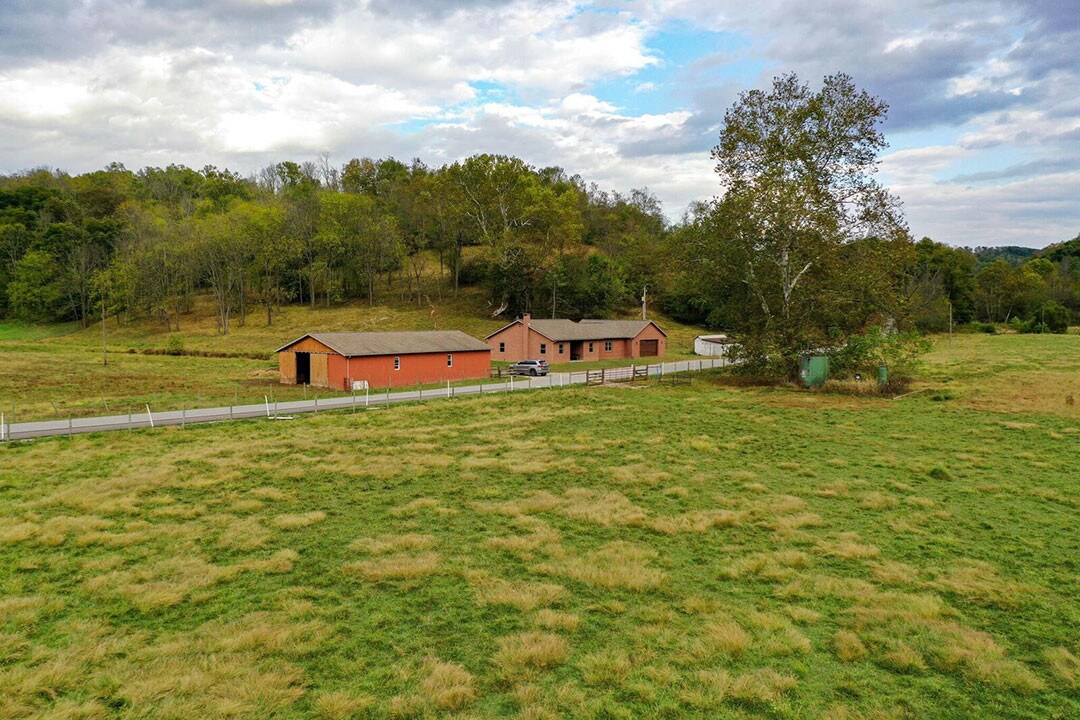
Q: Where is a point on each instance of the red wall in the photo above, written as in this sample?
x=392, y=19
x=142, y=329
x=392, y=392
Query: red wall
x=514, y=336
x=419, y=368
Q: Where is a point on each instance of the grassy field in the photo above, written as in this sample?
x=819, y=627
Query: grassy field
x=57, y=371
x=691, y=552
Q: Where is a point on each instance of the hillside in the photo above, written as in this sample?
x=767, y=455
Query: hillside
x=692, y=552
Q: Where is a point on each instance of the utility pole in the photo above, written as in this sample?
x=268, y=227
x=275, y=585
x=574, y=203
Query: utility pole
x=554, y=285
x=644, y=302
x=104, y=351
x=950, y=322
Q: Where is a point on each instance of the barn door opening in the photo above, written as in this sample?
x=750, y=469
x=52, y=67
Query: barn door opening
x=576, y=349
x=303, y=368
x=650, y=348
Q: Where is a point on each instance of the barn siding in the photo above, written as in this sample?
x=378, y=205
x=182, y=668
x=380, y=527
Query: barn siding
x=418, y=368
x=287, y=368
x=310, y=345
x=320, y=370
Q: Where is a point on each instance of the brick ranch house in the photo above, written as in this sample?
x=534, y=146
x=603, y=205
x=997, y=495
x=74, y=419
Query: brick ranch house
x=383, y=359
x=562, y=340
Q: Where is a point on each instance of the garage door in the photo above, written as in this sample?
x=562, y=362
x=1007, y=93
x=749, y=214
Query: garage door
x=650, y=348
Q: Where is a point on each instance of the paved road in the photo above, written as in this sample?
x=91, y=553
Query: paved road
x=76, y=426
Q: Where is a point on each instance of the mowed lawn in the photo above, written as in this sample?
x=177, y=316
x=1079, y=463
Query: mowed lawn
x=690, y=552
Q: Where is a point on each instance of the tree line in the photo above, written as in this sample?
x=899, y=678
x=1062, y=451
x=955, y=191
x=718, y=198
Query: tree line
x=138, y=244
x=802, y=249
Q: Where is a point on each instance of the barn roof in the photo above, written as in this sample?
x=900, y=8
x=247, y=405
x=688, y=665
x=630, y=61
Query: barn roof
x=357, y=344
x=568, y=330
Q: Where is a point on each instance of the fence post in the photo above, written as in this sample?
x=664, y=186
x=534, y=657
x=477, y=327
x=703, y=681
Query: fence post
x=266, y=400
x=3, y=428
x=129, y=421
x=447, y=388
x=183, y=418
x=367, y=395
x=69, y=426
x=148, y=414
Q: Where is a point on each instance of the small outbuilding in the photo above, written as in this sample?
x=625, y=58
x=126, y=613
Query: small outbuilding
x=563, y=340
x=712, y=345
x=346, y=360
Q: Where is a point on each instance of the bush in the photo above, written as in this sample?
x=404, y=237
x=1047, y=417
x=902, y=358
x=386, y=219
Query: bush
x=1048, y=318
x=175, y=345
x=988, y=328
x=474, y=271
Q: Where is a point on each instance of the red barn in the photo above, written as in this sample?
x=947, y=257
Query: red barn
x=562, y=340
x=382, y=359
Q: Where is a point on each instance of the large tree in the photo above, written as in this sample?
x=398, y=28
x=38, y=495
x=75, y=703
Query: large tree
x=803, y=227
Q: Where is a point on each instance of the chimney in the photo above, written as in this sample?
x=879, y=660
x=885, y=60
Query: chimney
x=526, y=319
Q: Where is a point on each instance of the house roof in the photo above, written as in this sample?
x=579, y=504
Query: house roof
x=357, y=344
x=568, y=330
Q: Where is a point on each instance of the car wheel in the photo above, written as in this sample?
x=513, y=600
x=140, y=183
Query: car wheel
x=533, y=373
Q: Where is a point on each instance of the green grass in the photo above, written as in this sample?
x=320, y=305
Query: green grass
x=699, y=552
x=57, y=371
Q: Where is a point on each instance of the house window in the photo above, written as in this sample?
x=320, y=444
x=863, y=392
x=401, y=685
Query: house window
x=607, y=346
x=449, y=360
x=502, y=347
x=543, y=348
x=560, y=348
x=397, y=363
x=590, y=347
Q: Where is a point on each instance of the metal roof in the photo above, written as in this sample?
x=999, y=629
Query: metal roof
x=588, y=329
x=357, y=344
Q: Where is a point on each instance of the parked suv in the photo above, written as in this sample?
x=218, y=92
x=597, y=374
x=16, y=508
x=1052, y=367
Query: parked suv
x=529, y=367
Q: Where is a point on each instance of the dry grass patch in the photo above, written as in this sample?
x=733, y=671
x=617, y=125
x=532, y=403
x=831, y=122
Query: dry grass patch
x=556, y=620
x=541, y=537
x=339, y=705
x=848, y=546
x=721, y=636
x=606, y=667
x=813, y=587
x=297, y=521
x=979, y=582
x=446, y=685
x=245, y=534
x=27, y=609
x=420, y=505
x=908, y=632
x=697, y=521
x=615, y=565
x=778, y=565
x=280, y=562
x=878, y=501
x=604, y=509
x=518, y=654
x=640, y=474
x=849, y=647
x=521, y=595
x=398, y=566
x=789, y=524
x=390, y=543
x=891, y=572
x=1064, y=665
x=162, y=584
x=714, y=687
x=778, y=636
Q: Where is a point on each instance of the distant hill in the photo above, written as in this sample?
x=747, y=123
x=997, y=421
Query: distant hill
x=1060, y=251
x=1009, y=253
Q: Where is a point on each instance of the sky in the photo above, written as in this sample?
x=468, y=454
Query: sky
x=984, y=96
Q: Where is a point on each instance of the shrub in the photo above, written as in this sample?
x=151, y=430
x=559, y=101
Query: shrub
x=175, y=345
x=1047, y=318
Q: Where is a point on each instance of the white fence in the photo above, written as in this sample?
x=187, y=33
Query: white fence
x=277, y=409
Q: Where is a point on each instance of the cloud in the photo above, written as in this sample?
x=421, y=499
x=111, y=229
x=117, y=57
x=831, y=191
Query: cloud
x=241, y=83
